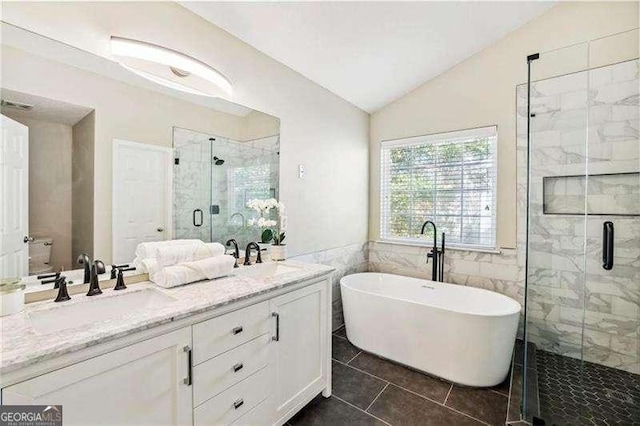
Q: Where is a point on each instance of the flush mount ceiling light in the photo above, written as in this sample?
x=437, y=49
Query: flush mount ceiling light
x=170, y=68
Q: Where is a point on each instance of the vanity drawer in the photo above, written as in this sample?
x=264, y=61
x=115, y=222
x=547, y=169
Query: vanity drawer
x=218, y=335
x=219, y=373
x=239, y=399
x=258, y=415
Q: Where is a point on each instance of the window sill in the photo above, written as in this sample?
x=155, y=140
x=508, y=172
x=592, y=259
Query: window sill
x=447, y=247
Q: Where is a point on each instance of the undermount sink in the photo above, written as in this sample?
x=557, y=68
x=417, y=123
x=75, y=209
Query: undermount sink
x=102, y=308
x=266, y=270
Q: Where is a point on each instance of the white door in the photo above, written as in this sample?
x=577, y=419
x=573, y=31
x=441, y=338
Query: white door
x=141, y=196
x=300, y=349
x=141, y=384
x=14, y=195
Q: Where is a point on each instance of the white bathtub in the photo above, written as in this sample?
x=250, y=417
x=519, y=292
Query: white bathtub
x=462, y=334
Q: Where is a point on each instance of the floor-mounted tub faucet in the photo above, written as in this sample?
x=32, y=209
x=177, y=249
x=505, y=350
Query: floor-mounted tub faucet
x=437, y=268
x=434, y=250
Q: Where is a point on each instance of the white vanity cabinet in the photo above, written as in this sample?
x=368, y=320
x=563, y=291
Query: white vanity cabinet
x=300, y=350
x=141, y=384
x=255, y=365
x=261, y=364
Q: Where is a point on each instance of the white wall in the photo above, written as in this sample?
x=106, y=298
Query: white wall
x=481, y=91
x=329, y=208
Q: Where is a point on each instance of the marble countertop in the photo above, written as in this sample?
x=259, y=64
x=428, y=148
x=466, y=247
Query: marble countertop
x=21, y=345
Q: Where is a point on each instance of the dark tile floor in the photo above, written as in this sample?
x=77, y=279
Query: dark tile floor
x=371, y=390
x=573, y=392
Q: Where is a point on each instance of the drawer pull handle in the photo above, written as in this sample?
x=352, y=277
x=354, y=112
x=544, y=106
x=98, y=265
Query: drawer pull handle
x=237, y=367
x=189, y=379
x=237, y=330
x=277, y=317
x=238, y=403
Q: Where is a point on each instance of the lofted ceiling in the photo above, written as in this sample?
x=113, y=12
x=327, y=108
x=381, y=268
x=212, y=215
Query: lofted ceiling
x=369, y=53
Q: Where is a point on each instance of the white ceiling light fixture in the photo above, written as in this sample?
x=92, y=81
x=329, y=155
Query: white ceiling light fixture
x=170, y=68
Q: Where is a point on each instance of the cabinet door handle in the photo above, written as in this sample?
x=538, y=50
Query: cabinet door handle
x=237, y=367
x=238, y=403
x=277, y=317
x=188, y=380
x=607, y=245
x=237, y=330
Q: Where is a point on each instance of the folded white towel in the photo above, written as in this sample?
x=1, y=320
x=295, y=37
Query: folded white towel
x=188, y=272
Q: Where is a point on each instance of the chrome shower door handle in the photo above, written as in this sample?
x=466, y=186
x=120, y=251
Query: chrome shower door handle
x=607, y=245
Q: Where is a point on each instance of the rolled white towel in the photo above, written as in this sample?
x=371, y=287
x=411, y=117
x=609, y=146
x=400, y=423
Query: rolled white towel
x=174, y=255
x=146, y=250
x=216, y=249
x=213, y=267
x=173, y=276
x=188, y=272
x=149, y=250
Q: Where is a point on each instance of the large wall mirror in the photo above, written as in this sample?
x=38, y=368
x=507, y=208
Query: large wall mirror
x=97, y=159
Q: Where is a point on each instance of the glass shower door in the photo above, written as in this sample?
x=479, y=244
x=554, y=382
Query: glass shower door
x=579, y=208
x=191, y=185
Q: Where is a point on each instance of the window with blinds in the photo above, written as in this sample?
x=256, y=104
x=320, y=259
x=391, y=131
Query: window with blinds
x=449, y=178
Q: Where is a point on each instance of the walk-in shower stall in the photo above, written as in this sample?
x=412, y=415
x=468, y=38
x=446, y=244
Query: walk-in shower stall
x=578, y=159
x=214, y=178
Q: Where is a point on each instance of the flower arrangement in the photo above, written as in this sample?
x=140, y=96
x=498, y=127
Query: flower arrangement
x=270, y=232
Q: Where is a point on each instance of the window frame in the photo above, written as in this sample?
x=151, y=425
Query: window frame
x=414, y=141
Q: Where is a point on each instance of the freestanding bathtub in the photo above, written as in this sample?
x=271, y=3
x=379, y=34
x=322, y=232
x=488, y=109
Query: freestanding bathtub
x=461, y=334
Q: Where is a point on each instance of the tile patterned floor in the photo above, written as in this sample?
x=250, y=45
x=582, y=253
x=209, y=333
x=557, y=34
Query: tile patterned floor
x=577, y=393
x=368, y=390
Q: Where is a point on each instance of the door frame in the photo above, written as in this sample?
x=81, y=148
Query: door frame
x=168, y=153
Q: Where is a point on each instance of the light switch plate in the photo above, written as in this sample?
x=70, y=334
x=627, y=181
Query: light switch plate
x=301, y=171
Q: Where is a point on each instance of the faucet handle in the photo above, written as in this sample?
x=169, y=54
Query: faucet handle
x=94, y=283
x=63, y=294
x=120, y=281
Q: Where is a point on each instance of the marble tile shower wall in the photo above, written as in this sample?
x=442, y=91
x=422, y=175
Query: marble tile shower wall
x=576, y=307
x=346, y=260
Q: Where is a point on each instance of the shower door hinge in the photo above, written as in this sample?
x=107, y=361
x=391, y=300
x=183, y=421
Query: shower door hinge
x=176, y=161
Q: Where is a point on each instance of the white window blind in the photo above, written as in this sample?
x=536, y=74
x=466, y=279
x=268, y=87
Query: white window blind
x=449, y=178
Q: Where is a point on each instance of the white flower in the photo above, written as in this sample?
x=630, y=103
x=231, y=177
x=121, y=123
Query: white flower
x=265, y=223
